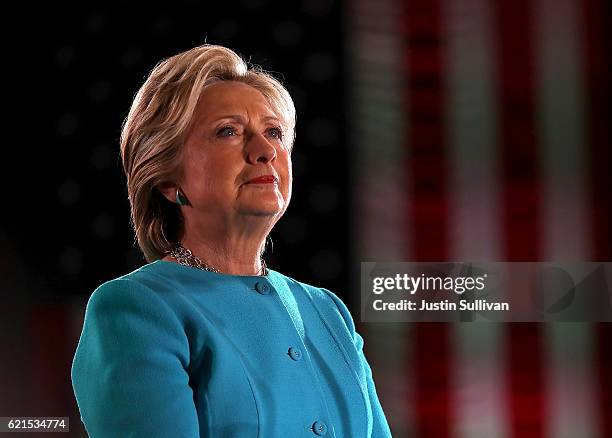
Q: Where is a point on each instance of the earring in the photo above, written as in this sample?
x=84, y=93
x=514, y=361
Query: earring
x=180, y=198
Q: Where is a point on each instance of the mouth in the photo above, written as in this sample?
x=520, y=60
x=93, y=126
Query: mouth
x=266, y=179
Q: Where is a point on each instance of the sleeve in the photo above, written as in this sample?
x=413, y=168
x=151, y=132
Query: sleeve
x=380, y=428
x=129, y=370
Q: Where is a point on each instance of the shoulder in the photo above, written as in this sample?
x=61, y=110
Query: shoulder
x=325, y=299
x=127, y=294
x=123, y=314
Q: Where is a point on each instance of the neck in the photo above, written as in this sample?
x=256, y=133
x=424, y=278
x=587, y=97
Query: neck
x=227, y=262
x=235, y=251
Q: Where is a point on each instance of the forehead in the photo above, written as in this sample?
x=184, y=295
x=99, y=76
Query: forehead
x=231, y=97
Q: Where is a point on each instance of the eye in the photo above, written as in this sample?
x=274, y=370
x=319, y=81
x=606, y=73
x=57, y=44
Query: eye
x=227, y=131
x=276, y=132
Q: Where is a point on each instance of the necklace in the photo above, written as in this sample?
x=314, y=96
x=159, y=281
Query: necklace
x=185, y=257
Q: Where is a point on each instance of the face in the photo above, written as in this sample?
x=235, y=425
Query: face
x=236, y=161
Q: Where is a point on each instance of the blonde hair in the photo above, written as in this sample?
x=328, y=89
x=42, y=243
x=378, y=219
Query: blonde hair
x=155, y=128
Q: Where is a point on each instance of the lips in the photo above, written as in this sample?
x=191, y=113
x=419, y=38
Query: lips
x=266, y=179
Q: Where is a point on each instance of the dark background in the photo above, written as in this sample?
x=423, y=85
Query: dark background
x=72, y=228
x=72, y=75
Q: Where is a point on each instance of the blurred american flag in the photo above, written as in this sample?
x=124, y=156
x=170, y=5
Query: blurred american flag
x=482, y=133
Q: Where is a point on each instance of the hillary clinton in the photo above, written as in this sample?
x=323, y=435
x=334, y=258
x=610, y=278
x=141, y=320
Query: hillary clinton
x=205, y=340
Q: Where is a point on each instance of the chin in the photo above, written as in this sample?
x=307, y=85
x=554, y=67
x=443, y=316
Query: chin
x=262, y=205
x=260, y=213
x=261, y=209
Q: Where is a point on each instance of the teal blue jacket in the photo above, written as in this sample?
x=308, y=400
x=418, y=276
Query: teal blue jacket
x=173, y=351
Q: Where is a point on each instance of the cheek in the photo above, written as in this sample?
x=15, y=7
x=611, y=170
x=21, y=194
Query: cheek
x=286, y=173
x=284, y=163
x=211, y=172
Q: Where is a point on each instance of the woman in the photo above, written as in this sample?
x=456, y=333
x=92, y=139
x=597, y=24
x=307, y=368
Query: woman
x=205, y=340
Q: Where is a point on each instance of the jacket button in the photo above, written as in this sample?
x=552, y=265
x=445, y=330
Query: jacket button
x=295, y=353
x=262, y=288
x=319, y=428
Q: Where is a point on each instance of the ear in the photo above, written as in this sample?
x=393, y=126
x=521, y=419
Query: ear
x=168, y=189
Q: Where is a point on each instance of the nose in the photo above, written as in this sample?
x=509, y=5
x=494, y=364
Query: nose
x=259, y=150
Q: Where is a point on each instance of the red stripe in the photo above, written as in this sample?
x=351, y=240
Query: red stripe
x=604, y=377
x=50, y=361
x=519, y=149
x=428, y=206
x=520, y=207
x=432, y=380
x=598, y=72
x=525, y=380
x=16, y=386
x=426, y=158
x=597, y=65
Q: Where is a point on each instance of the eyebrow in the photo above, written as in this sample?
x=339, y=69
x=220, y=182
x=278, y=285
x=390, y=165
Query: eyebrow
x=242, y=120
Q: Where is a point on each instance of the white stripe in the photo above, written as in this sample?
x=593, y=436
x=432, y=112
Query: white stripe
x=377, y=134
x=571, y=400
x=479, y=381
x=478, y=375
x=472, y=130
x=570, y=379
x=565, y=227
x=377, y=118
